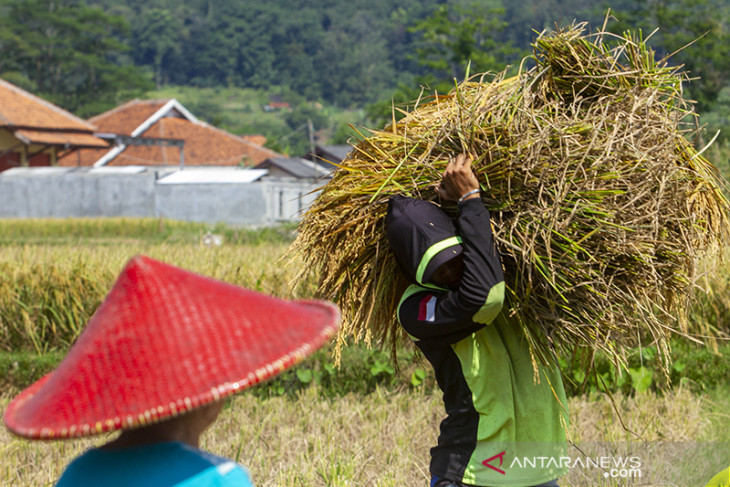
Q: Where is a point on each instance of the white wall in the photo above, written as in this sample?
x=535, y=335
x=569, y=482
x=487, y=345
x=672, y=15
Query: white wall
x=73, y=192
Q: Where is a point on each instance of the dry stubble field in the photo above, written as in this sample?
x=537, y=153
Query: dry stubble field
x=381, y=439
x=314, y=438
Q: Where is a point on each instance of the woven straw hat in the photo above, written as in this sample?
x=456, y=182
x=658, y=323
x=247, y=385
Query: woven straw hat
x=166, y=341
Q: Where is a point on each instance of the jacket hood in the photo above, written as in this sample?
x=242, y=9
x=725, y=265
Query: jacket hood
x=421, y=236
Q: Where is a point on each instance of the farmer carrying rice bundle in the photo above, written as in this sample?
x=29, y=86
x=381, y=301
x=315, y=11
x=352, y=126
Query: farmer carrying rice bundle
x=497, y=410
x=561, y=211
x=600, y=207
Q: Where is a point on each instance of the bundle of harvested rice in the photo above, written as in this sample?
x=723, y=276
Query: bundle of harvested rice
x=601, y=208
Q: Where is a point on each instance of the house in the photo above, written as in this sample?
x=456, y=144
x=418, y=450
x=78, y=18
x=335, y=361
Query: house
x=165, y=133
x=34, y=132
x=276, y=103
x=257, y=139
x=329, y=155
x=294, y=168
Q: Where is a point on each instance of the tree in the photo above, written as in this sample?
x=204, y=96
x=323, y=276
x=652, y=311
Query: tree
x=155, y=37
x=10, y=42
x=72, y=53
x=457, y=36
x=454, y=40
x=693, y=33
x=696, y=28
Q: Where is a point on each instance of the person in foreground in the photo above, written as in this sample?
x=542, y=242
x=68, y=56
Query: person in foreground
x=156, y=361
x=505, y=420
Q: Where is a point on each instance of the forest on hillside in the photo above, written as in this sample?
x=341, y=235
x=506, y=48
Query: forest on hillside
x=89, y=55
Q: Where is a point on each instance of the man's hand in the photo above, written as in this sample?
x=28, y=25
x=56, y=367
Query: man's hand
x=458, y=180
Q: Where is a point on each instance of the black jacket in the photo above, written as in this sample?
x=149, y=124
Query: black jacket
x=424, y=237
x=480, y=358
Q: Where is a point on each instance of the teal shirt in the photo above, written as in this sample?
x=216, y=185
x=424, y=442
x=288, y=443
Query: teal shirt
x=157, y=465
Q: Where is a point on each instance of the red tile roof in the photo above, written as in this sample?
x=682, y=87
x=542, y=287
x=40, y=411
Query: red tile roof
x=20, y=109
x=124, y=119
x=205, y=145
x=257, y=139
x=40, y=137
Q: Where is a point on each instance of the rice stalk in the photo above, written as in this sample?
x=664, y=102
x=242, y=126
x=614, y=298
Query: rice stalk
x=601, y=208
x=49, y=292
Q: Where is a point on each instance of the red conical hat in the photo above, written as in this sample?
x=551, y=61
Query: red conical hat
x=163, y=342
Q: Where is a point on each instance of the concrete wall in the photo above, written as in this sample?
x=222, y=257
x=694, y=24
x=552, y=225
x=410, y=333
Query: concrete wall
x=70, y=192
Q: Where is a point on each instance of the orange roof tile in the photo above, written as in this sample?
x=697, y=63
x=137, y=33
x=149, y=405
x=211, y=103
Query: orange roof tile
x=124, y=119
x=74, y=139
x=257, y=139
x=82, y=157
x=18, y=108
x=205, y=145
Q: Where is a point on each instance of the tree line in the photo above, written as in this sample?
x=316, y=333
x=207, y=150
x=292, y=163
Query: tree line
x=89, y=55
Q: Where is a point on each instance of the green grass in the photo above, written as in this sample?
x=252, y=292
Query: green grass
x=235, y=109
x=36, y=230
x=696, y=367
x=20, y=369
x=363, y=370
x=110, y=231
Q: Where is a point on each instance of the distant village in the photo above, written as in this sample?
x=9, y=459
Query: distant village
x=147, y=158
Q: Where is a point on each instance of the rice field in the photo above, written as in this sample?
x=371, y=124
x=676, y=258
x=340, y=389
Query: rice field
x=382, y=439
x=49, y=286
x=49, y=289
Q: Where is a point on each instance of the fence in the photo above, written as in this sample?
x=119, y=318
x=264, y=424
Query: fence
x=232, y=196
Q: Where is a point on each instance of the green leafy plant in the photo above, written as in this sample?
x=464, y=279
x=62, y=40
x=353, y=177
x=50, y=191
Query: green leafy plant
x=641, y=379
x=381, y=367
x=417, y=377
